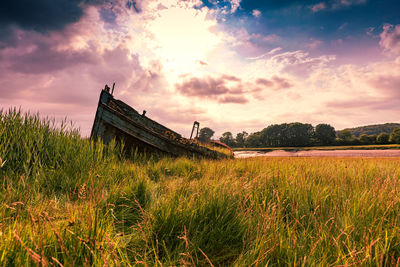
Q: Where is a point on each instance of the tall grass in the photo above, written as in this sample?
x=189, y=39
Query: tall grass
x=70, y=201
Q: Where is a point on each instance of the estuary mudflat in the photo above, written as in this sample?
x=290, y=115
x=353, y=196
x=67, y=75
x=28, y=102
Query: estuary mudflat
x=320, y=153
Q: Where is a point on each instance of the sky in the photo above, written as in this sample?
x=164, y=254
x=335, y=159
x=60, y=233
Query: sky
x=233, y=65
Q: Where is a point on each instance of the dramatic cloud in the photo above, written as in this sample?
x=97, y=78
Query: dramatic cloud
x=52, y=68
x=44, y=58
x=76, y=81
x=65, y=69
x=204, y=87
x=41, y=15
x=390, y=38
x=224, y=89
x=232, y=65
x=230, y=89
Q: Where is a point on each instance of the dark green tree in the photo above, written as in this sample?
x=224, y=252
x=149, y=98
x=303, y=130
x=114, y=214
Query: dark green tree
x=205, y=134
x=241, y=138
x=253, y=140
x=382, y=138
x=292, y=134
x=299, y=134
x=368, y=139
x=325, y=134
x=364, y=139
x=372, y=139
x=273, y=135
x=227, y=138
x=395, y=136
x=345, y=136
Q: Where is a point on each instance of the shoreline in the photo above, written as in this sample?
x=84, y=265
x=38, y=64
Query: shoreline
x=366, y=153
x=319, y=148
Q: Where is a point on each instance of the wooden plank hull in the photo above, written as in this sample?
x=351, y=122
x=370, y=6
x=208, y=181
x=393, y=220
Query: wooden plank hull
x=116, y=120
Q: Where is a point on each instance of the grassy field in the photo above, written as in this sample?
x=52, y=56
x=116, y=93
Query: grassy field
x=65, y=201
x=362, y=147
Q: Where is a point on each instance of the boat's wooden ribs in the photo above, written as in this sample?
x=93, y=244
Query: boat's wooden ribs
x=115, y=119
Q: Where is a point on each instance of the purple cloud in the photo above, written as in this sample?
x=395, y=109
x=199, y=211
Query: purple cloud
x=281, y=83
x=44, y=58
x=388, y=84
x=390, y=39
x=234, y=99
x=275, y=82
x=264, y=82
x=337, y=4
x=228, y=88
x=207, y=86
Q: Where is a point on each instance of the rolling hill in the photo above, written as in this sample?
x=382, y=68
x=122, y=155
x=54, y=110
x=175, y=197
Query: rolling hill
x=373, y=129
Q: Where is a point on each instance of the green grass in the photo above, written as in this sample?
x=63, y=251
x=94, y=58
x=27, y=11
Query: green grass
x=362, y=147
x=70, y=201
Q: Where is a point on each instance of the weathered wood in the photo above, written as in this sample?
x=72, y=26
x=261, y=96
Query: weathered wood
x=116, y=120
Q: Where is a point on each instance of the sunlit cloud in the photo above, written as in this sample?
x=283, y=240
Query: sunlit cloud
x=182, y=61
x=182, y=37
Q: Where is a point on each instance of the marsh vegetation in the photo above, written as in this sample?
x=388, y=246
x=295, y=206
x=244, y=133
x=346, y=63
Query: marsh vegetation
x=70, y=201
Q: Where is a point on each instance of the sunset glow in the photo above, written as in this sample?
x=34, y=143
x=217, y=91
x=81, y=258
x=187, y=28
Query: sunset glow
x=232, y=65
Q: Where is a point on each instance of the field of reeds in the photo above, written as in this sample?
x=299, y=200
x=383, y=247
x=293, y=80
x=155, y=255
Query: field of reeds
x=67, y=201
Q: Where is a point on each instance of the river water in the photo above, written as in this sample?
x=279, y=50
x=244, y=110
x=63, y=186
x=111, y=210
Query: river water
x=320, y=153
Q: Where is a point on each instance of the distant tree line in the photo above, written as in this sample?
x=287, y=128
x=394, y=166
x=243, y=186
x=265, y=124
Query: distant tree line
x=375, y=129
x=298, y=134
x=283, y=135
x=345, y=137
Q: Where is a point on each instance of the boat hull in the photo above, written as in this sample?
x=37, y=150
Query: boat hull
x=116, y=120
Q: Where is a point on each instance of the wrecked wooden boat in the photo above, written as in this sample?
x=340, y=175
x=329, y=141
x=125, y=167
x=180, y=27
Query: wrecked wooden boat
x=116, y=120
